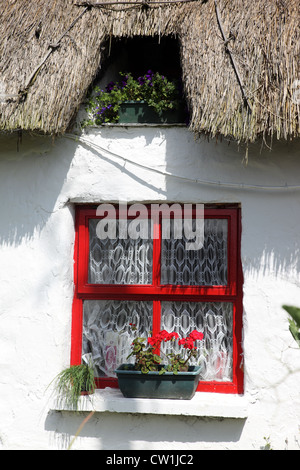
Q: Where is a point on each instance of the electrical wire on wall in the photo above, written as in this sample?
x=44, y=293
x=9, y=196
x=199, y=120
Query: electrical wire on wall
x=240, y=186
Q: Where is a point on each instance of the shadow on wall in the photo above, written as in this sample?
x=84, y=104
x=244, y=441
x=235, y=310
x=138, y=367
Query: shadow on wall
x=267, y=187
x=271, y=244
x=109, y=431
x=36, y=249
x=32, y=173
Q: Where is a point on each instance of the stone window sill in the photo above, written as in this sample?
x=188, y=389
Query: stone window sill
x=202, y=404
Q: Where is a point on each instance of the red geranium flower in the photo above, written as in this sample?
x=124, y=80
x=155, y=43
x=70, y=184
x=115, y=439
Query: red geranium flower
x=194, y=335
x=150, y=359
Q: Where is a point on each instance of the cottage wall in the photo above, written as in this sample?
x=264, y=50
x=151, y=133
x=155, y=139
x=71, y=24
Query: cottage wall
x=41, y=180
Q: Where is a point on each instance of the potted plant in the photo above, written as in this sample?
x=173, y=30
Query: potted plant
x=149, y=98
x=160, y=376
x=73, y=382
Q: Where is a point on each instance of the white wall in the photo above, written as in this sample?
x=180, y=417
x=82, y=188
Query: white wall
x=39, y=184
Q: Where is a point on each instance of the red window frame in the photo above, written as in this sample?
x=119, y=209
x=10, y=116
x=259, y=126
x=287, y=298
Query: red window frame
x=232, y=292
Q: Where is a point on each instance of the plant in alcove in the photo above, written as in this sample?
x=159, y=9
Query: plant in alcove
x=152, y=88
x=73, y=382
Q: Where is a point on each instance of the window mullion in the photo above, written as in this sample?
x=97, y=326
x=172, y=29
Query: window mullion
x=156, y=323
x=156, y=234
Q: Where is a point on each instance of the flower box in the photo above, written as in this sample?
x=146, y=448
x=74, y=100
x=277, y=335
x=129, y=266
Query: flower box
x=136, y=384
x=151, y=98
x=141, y=112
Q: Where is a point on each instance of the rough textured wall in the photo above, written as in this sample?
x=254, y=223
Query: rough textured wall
x=39, y=185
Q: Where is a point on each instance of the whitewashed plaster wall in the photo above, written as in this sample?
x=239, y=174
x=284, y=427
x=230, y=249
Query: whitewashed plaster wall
x=39, y=184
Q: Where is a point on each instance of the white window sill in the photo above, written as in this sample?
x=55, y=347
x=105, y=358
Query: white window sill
x=137, y=124
x=202, y=404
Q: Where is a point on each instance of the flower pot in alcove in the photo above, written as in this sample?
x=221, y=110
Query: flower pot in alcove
x=141, y=112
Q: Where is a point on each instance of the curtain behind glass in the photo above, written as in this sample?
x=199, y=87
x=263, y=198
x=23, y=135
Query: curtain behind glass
x=119, y=260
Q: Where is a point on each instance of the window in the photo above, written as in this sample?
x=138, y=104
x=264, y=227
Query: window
x=133, y=267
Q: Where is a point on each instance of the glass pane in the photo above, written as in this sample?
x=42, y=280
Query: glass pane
x=215, y=321
x=107, y=336
x=119, y=260
x=205, y=267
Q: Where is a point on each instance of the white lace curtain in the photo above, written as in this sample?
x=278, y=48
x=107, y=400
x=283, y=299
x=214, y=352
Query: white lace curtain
x=204, y=267
x=128, y=261
x=214, y=320
x=119, y=260
x=106, y=333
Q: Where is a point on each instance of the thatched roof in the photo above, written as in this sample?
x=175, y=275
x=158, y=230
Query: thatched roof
x=50, y=52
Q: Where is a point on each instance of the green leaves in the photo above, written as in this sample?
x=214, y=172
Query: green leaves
x=294, y=321
x=156, y=358
x=71, y=382
x=145, y=359
x=153, y=88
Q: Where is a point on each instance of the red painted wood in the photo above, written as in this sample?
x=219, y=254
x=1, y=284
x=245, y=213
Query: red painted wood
x=157, y=292
x=76, y=329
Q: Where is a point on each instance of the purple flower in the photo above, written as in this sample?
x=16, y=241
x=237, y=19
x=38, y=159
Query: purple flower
x=110, y=86
x=124, y=82
x=103, y=109
x=149, y=75
x=141, y=80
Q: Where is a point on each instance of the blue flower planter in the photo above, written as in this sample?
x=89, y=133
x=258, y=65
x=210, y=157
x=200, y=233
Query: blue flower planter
x=135, y=384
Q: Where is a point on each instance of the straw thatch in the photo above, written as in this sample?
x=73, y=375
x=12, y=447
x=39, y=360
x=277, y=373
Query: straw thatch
x=243, y=87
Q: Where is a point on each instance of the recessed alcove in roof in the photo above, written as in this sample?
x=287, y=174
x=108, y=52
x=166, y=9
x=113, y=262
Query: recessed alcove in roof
x=139, y=54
